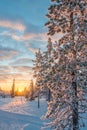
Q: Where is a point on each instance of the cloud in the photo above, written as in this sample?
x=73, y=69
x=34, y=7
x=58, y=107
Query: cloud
x=8, y=73
x=5, y=69
x=35, y=36
x=31, y=47
x=7, y=53
x=10, y=70
x=26, y=36
x=22, y=61
x=12, y=35
x=4, y=78
x=12, y=25
x=21, y=38
x=39, y=37
x=42, y=37
x=23, y=72
x=33, y=50
x=34, y=46
x=22, y=69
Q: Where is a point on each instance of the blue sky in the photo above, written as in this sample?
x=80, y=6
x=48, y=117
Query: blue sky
x=22, y=32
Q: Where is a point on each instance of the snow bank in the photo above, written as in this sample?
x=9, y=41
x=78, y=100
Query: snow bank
x=19, y=114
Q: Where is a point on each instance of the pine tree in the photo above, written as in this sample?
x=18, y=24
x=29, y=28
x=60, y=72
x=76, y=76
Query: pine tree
x=69, y=85
x=38, y=73
x=31, y=90
x=25, y=92
x=13, y=89
x=42, y=68
x=47, y=68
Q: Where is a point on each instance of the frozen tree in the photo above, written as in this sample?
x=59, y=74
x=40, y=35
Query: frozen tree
x=69, y=85
x=13, y=89
x=47, y=65
x=38, y=73
x=31, y=88
x=38, y=69
x=42, y=69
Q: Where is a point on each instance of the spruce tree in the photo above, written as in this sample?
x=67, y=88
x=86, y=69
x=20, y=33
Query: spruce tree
x=13, y=89
x=31, y=86
x=70, y=18
x=47, y=64
x=38, y=73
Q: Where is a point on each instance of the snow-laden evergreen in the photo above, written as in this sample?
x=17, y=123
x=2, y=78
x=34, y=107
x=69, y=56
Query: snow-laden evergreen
x=65, y=64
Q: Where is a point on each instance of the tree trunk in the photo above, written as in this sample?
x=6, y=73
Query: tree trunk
x=75, y=106
x=49, y=95
x=38, y=100
x=75, y=114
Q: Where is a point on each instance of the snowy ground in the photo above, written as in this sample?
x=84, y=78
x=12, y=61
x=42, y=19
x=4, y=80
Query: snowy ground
x=19, y=114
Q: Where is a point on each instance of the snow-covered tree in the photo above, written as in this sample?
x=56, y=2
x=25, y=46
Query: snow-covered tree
x=13, y=89
x=38, y=69
x=69, y=84
x=31, y=89
x=47, y=64
x=42, y=69
x=38, y=73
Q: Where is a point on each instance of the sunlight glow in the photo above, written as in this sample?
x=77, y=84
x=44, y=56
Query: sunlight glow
x=20, y=90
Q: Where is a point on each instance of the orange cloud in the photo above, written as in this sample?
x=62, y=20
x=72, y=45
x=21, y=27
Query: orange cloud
x=12, y=25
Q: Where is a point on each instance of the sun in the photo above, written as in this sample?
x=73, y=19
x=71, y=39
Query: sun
x=20, y=90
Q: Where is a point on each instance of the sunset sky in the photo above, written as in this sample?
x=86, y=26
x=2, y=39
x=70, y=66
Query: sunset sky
x=22, y=32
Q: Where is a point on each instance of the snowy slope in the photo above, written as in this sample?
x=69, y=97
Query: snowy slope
x=18, y=114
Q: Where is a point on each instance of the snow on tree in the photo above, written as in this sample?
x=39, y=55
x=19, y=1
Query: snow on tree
x=69, y=85
x=13, y=89
x=47, y=65
x=38, y=73
x=42, y=69
x=38, y=68
x=31, y=88
x=42, y=66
